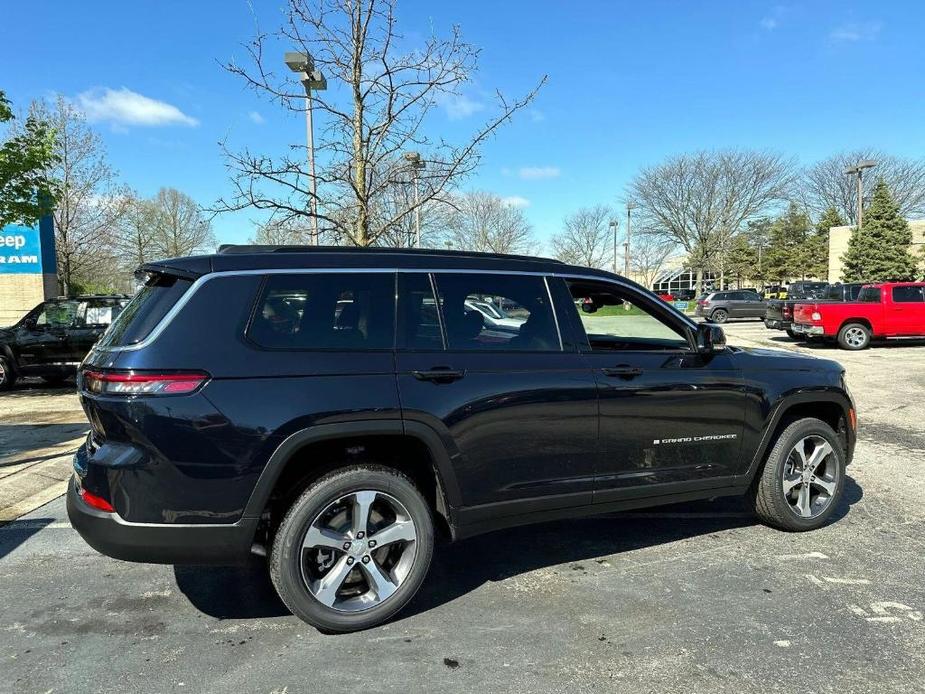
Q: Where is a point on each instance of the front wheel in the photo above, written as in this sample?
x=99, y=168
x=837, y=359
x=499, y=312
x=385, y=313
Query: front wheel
x=854, y=336
x=803, y=477
x=353, y=549
x=719, y=316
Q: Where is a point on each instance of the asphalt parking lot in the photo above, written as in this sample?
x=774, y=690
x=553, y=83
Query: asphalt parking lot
x=692, y=598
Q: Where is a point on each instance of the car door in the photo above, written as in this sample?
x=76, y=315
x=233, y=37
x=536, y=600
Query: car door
x=671, y=418
x=41, y=337
x=753, y=305
x=907, y=311
x=516, y=408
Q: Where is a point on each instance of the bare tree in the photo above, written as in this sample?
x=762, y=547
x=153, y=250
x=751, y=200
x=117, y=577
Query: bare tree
x=90, y=201
x=380, y=92
x=825, y=185
x=132, y=237
x=274, y=232
x=587, y=238
x=648, y=258
x=177, y=226
x=699, y=200
x=484, y=222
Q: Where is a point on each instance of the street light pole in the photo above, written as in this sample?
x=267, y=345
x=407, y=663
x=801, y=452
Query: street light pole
x=311, y=78
x=416, y=163
x=858, y=169
x=630, y=205
x=613, y=226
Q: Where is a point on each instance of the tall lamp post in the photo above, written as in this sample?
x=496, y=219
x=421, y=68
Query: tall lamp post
x=613, y=226
x=630, y=206
x=310, y=78
x=416, y=163
x=858, y=169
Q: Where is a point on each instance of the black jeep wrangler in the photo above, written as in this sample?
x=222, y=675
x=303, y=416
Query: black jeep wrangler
x=51, y=340
x=338, y=410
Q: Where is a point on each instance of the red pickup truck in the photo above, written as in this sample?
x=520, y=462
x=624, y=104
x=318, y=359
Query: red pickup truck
x=887, y=310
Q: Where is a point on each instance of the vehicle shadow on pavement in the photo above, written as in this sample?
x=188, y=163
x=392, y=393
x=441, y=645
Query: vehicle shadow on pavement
x=17, y=440
x=245, y=592
x=575, y=545
x=16, y=533
x=25, y=389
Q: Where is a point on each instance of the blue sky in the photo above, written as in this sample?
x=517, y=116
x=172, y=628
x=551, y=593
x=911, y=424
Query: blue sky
x=629, y=83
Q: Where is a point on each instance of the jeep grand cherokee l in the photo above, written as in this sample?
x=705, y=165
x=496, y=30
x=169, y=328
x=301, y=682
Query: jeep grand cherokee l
x=339, y=409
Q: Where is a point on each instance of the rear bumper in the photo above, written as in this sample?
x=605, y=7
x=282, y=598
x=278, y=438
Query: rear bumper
x=160, y=543
x=774, y=324
x=803, y=329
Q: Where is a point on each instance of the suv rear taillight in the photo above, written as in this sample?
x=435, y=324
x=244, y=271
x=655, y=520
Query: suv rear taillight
x=142, y=383
x=703, y=302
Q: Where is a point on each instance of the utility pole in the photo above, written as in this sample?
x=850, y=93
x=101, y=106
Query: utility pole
x=630, y=205
x=416, y=163
x=311, y=78
x=613, y=225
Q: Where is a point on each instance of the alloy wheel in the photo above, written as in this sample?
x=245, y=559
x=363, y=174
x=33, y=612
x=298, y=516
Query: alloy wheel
x=358, y=551
x=855, y=337
x=810, y=476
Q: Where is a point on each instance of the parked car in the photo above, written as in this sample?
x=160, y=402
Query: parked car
x=52, y=339
x=775, y=291
x=779, y=313
x=494, y=316
x=341, y=444
x=684, y=294
x=718, y=307
x=882, y=311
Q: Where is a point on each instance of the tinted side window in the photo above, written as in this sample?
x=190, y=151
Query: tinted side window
x=343, y=311
x=418, y=319
x=870, y=295
x=497, y=312
x=908, y=295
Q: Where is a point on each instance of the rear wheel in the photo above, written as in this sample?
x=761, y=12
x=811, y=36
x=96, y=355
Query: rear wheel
x=854, y=336
x=803, y=478
x=7, y=375
x=720, y=315
x=353, y=549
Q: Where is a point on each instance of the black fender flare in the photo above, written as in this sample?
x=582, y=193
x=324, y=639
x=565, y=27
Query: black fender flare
x=447, y=486
x=779, y=411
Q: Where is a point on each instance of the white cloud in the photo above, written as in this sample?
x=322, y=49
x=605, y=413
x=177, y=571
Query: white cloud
x=515, y=201
x=460, y=106
x=123, y=107
x=856, y=31
x=535, y=173
x=537, y=116
x=769, y=23
x=256, y=118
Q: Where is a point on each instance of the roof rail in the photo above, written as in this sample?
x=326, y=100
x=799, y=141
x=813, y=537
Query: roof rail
x=232, y=249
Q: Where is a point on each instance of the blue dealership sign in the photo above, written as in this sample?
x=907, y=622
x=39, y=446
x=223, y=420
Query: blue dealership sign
x=24, y=250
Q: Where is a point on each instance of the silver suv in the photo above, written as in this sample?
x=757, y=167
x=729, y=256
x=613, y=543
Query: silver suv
x=718, y=307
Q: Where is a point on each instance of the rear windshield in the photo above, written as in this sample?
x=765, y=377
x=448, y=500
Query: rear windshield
x=870, y=295
x=145, y=310
x=808, y=291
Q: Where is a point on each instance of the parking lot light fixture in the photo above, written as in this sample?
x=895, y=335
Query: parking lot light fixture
x=311, y=79
x=858, y=170
x=416, y=163
x=613, y=227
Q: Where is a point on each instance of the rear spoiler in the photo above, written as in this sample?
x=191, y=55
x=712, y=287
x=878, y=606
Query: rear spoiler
x=191, y=268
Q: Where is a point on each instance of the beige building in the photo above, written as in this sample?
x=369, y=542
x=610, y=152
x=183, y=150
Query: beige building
x=838, y=246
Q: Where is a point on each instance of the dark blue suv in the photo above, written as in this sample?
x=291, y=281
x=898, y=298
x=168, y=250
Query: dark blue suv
x=338, y=409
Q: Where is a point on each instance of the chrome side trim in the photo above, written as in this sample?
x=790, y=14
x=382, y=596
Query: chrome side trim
x=172, y=313
x=555, y=317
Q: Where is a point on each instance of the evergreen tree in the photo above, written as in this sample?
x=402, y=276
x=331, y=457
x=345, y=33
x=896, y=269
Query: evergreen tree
x=880, y=250
x=787, y=254
x=816, y=251
x=742, y=258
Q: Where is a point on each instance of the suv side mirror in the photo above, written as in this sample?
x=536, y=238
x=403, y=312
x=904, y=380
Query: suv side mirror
x=710, y=338
x=28, y=323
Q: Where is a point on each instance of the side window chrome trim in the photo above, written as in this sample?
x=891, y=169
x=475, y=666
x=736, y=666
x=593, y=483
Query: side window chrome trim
x=172, y=313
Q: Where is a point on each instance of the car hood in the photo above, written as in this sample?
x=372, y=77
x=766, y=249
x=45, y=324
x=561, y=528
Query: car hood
x=782, y=360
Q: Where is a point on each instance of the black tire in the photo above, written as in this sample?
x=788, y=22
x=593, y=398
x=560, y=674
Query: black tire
x=792, y=335
x=854, y=336
x=286, y=570
x=7, y=375
x=720, y=315
x=767, y=496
